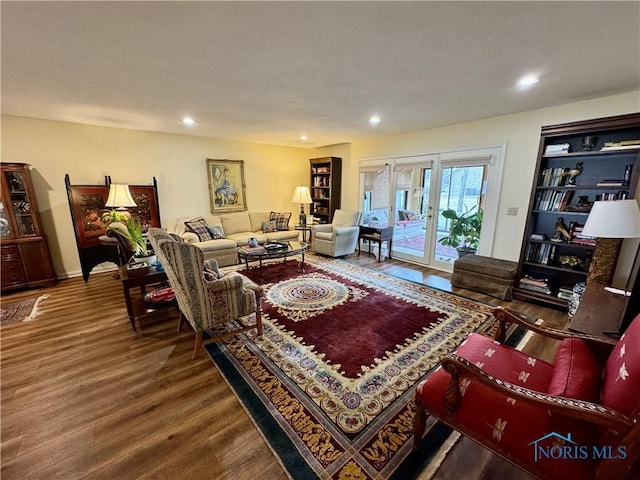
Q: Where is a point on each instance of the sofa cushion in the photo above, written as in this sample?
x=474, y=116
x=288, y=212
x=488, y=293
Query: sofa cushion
x=242, y=238
x=345, y=218
x=216, y=232
x=236, y=223
x=281, y=218
x=217, y=245
x=576, y=372
x=257, y=219
x=269, y=227
x=282, y=235
x=199, y=227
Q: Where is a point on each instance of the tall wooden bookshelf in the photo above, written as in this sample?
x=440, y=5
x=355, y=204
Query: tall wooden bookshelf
x=607, y=153
x=326, y=183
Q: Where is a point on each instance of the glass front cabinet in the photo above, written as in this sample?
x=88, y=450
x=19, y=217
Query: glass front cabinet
x=24, y=254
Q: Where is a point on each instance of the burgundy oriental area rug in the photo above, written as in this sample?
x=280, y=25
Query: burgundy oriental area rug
x=330, y=384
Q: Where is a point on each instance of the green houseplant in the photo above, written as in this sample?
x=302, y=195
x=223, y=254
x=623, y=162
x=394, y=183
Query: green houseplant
x=130, y=230
x=464, y=230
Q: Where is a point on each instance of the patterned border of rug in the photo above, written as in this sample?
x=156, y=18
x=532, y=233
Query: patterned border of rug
x=321, y=419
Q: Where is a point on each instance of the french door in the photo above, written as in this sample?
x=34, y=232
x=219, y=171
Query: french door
x=414, y=191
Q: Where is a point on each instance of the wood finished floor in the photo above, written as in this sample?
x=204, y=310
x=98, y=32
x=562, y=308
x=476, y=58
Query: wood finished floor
x=83, y=397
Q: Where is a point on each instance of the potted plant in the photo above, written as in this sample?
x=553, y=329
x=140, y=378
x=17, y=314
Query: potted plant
x=464, y=231
x=130, y=229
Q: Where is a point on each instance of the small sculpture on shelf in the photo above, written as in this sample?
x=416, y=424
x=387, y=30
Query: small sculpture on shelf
x=573, y=174
x=562, y=232
x=582, y=205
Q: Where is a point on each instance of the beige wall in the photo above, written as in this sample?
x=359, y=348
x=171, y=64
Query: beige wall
x=88, y=153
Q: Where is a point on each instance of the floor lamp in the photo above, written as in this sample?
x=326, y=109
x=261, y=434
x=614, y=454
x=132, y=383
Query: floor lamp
x=616, y=219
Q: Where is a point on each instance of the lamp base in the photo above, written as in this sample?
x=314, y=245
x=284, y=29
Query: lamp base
x=302, y=218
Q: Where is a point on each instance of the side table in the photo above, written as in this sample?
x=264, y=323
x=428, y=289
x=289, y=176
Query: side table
x=599, y=312
x=136, y=307
x=304, y=231
x=379, y=235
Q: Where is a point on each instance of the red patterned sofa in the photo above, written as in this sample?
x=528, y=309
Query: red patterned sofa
x=574, y=419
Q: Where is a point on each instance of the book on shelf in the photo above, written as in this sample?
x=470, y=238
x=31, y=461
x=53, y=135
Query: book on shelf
x=535, y=288
x=610, y=183
x=621, y=145
x=557, y=148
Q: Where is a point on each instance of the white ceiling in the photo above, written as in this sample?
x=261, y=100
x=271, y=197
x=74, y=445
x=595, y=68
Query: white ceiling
x=270, y=71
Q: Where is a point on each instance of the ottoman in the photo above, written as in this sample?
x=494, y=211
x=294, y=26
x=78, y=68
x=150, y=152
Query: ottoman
x=485, y=275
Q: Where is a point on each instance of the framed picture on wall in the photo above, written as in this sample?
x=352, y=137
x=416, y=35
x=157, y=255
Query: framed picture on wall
x=227, y=189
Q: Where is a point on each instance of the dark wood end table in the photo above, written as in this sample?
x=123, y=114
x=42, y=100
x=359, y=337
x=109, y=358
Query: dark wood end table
x=379, y=235
x=137, y=307
x=599, y=312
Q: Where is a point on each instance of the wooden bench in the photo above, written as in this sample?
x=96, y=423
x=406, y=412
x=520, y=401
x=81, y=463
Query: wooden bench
x=485, y=275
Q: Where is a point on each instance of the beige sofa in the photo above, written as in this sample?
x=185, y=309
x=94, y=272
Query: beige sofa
x=238, y=228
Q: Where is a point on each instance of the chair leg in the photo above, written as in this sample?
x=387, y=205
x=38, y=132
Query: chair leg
x=259, y=317
x=419, y=424
x=180, y=319
x=198, y=345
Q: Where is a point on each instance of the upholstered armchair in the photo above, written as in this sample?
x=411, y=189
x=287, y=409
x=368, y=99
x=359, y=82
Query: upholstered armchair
x=208, y=300
x=575, y=418
x=338, y=238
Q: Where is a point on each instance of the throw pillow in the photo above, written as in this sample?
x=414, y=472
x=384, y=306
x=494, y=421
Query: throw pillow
x=216, y=232
x=576, y=372
x=269, y=227
x=199, y=227
x=281, y=219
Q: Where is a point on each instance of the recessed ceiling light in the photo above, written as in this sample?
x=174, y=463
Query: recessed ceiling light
x=188, y=121
x=528, y=80
x=303, y=138
x=374, y=120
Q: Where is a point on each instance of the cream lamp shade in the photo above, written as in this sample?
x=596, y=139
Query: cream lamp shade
x=301, y=195
x=613, y=219
x=120, y=197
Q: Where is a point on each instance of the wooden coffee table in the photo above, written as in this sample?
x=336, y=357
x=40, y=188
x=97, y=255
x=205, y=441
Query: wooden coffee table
x=248, y=254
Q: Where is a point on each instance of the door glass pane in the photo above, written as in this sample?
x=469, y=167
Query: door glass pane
x=462, y=190
x=5, y=226
x=375, y=201
x=20, y=204
x=411, y=207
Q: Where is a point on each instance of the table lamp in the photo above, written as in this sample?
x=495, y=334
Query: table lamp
x=302, y=196
x=119, y=200
x=615, y=219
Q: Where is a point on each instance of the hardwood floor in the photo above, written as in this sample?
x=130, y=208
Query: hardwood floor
x=83, y=397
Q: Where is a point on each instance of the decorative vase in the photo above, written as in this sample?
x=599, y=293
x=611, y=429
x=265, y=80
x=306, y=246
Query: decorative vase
x=253, y=242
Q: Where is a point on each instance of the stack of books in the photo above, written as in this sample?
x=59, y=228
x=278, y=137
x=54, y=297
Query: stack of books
x=253, y=250
x=575, y=230
x=621, y=145
x=539, y=285
x=565, y=293
x=557, y=149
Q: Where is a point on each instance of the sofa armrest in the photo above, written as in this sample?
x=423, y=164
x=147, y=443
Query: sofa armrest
x=457, y=367
x=325, y=227
x=505, y=316
x=190, y=237
x=343, y=231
